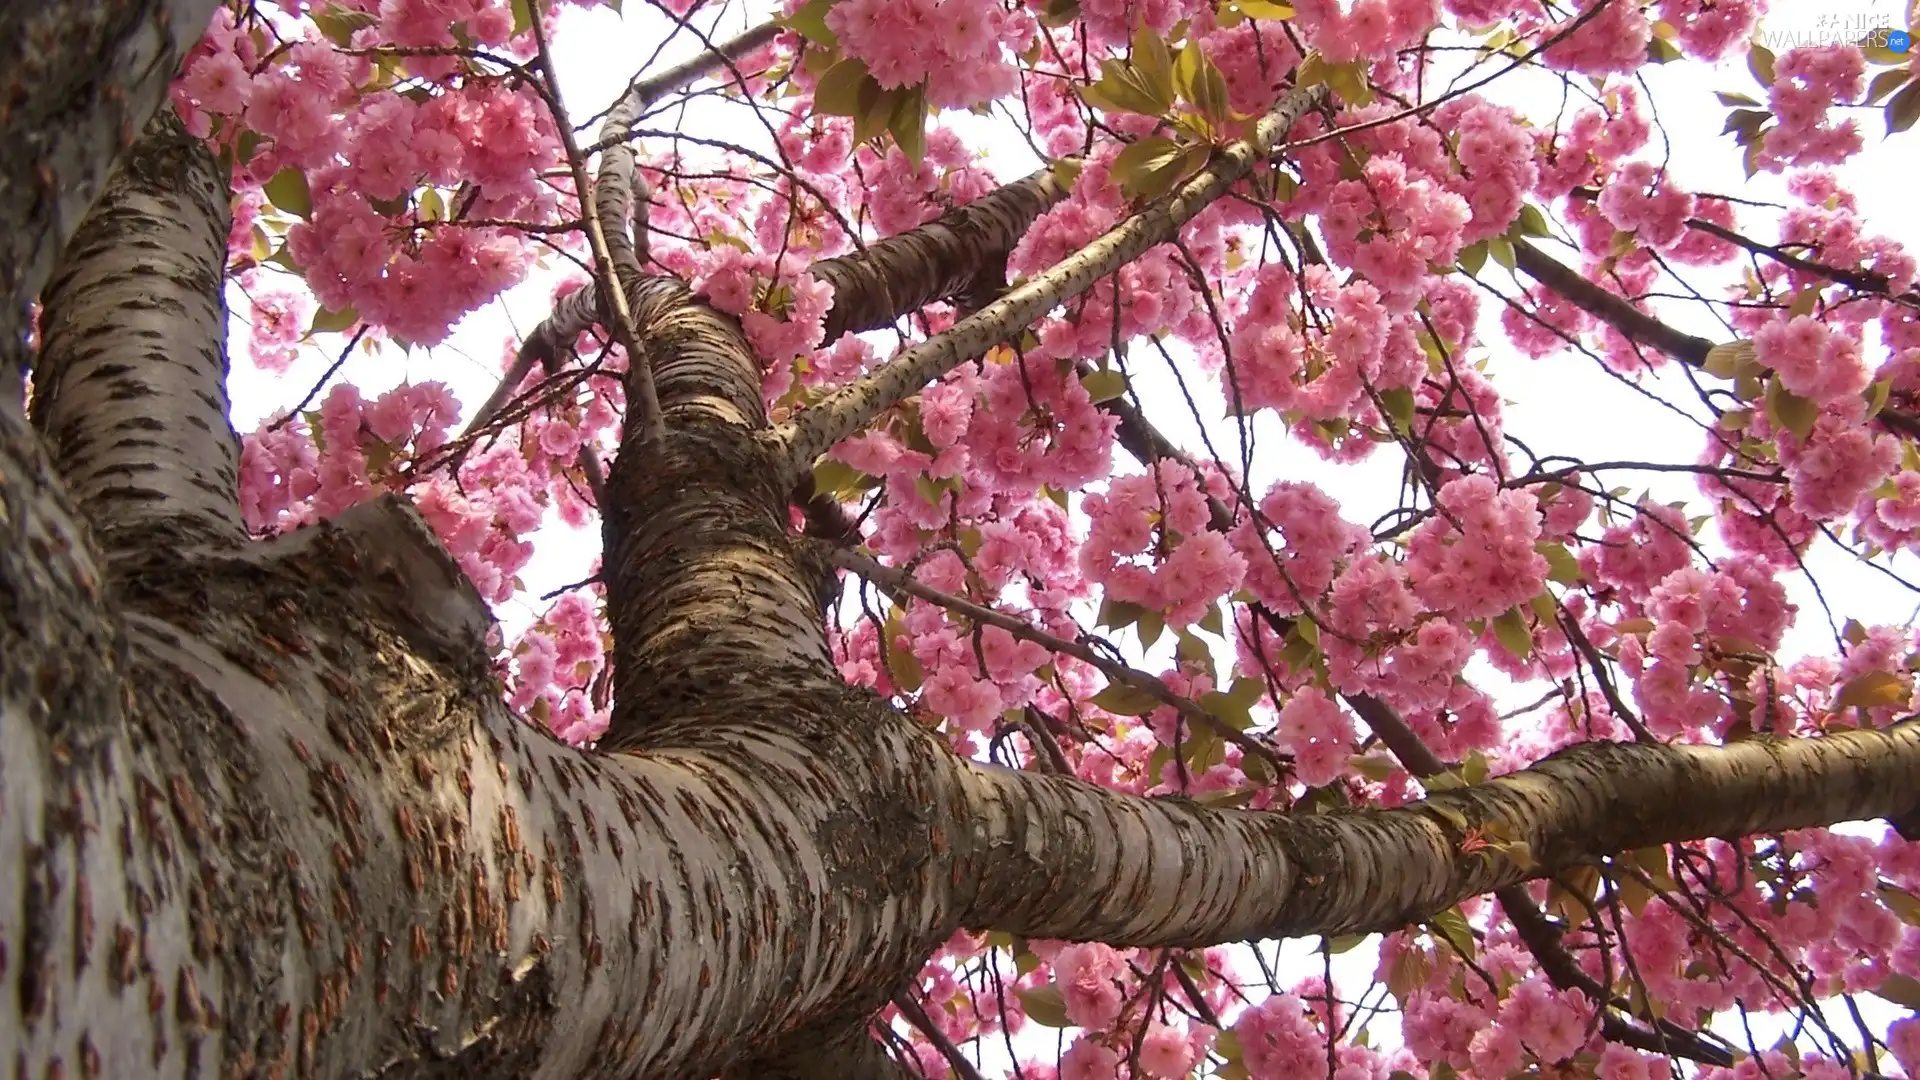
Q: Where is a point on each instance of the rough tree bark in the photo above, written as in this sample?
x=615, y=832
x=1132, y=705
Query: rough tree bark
x=263, y=812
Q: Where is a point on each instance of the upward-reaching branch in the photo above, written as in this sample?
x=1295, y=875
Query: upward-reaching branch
x=616, y=269
x=815, y=430
x=131, y=386
x=945, y=258
x=610, y=203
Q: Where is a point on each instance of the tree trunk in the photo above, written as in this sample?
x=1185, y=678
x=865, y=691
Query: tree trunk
x=263, y=812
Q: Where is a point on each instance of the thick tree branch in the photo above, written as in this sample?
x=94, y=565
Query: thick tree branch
x=699, y=557
x=1063, y=858
x=856, y=1054
x=131, y=386
x=816, y=429
x=937, y=261
x=1542, y=938
x=1614, y=310
x=1859, y=280
x=79, y=80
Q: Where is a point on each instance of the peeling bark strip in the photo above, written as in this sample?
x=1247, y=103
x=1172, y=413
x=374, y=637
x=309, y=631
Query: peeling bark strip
x=131, y=382
x=79, y=78
x=1066, y=859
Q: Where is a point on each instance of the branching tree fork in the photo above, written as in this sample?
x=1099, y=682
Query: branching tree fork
x=263, y=812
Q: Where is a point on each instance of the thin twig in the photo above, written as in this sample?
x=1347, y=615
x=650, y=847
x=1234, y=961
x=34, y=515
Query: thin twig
x=892, y=578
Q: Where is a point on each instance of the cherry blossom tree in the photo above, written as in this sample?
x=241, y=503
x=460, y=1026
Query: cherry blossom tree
x=930, y=710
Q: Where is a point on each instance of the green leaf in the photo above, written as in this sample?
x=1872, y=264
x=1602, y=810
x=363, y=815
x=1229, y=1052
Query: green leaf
x=1728, y=360
x=838, y=479
x=284, y=259
x=1153, y=63
x=1123, y=700
x=1901, y=903
x=288, y=191
x=1502, y=250
x=1874, y=45
x=1901, y=990
x=1745, y=123
x=337, y=24
x=1118, y=614
x=1261, y=9
x=1212, y=623
x=1452, y=925
x=838, y=91
x=1562, y=567
x=1190, y=648
x=909, y=125
x=333, y=322
x=1044, y=1006
x=809, y=21
x=1662, y=51
x=1789, y=411
x=902, y=665
x=1104, y=385
x=1121, y=89
x=1533, y=222
x=1510, y=629
x=1202, y=85
x=1059, y=13
x=1140, y=160
x=1876, y=396
x=1398, y=404
x=1872, y=690
x=1150, y=626
x=1885, y=83
x=1066, y=171
x=874, y=112
x=1334, y=946
x=1473, y=257
x=1903, y=108
x=1760, y=62
x=1350, y=82
x=1734, y=99
x=522, y=16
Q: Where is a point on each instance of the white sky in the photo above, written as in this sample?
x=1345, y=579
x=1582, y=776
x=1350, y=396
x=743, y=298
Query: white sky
x=1562, y=405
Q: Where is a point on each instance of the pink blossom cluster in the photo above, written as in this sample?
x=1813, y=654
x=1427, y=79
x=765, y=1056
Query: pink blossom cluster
x=1162, y=515
x=321, y=112
x=1365, y=28
x=1807, y=83
x=1640, y=199
x=957, y=49
x=556, y=662
x=1475, y=558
